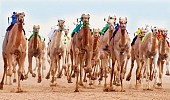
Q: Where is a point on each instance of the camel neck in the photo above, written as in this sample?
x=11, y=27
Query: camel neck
x=35, y=40
x=123, y=37
x=86, y=34
x=95, y=43
x=19, y=34
x=163, y=45
x=153, y=41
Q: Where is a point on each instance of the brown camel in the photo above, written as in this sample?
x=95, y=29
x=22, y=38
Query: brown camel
x=56, y=49
x=105, y=48
x=149, y=55
x=43, y=59
x=135, y=54
x=35, y=50
x=15, y=45
x=96, y=53
x=164, y=51
x=82, y=48
x=120, y=52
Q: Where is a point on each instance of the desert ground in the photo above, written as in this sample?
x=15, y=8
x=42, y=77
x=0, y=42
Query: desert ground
x=65, y=91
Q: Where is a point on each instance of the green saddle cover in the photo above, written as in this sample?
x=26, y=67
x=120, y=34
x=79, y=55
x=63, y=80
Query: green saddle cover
x=104, y=29
x=41, y=38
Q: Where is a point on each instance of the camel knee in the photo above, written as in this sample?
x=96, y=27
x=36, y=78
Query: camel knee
x=77, y=51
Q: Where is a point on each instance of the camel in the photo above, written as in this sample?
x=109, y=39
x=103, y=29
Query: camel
x=82, y=49
x=35, y=50
x=15, y=45
x=66, y=54
x=56, y=49
x=43, y=59
x=96, y=53
x=135, y=54
x=149, y=56
x=105, y=48
x=120, y=52
x=164, y=51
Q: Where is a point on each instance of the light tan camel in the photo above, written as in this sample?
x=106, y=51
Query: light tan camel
x=120, y=52
x=35, y=50
x=16, y=45
x=135, y=54
x=56, y=48
x=105, y=48
x=164, y=51
x=82, y=47
x=149, y=56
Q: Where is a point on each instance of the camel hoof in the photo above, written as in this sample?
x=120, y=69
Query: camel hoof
x=39, y=79
x=122, y=90
x=26, y=77
x=111, y=89
x=84, y=80
x=48, y=76
x=14, y=80
x=81, y=83
x=73, y=75
x=167, y=73
x=65, y=73
x=22, y=78
x=76, y=90
x=33, y=75
x=106, y=89
x=1, y=86
x=117, y=84
x=90, y=83
x=114, y=82
x=19, y=90
x=159, y=84
x=59, y=76
x=128, y=77
x=69, y=81
x=52, y=81
x=100, y=79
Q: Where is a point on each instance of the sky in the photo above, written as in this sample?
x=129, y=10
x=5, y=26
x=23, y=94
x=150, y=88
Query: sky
x=47, y=12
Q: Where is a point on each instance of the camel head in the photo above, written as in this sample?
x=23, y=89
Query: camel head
x=141, y=32
x=163, y=33
x=36, y=29
x=85, y=19
x=20, y=17
x=155, y=31
x=123, y=23
x=111, y=22
x=66, y=31
x=96, y=32
x=61, y=24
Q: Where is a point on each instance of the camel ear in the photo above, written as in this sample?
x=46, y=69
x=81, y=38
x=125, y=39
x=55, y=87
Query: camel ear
x=82, y=15
x=23, y=14
x=58, y=20
x=120, y=19
x=88, y=15
x=98, y=29
x=115, y=17
x=33, y=27
x=126, y=18
x=38, y=26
